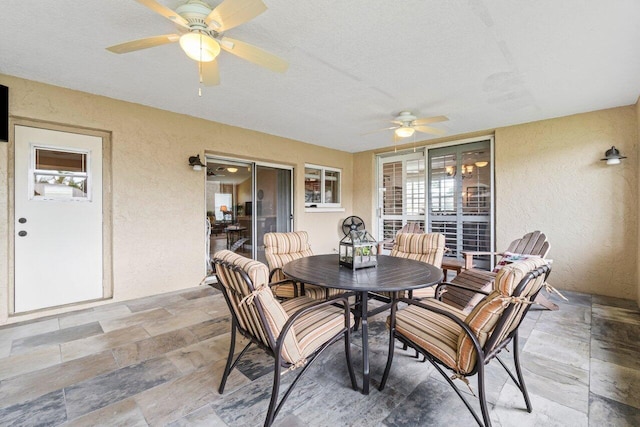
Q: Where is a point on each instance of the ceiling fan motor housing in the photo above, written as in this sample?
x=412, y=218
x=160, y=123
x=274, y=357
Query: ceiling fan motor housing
x=195, y=12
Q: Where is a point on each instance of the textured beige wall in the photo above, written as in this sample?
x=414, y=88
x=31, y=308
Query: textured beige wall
x=158, y=201
x=549, y=177
x=638, y=195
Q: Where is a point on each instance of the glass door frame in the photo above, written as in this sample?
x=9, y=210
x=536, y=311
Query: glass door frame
x=209, y=157
x=492, y=207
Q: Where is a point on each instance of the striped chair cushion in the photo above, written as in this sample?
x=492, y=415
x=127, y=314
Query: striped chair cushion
x=427, y=248
x=510, y=275
x=481, y=320
x=310, y=336
x=435, y=333
x=281, y=248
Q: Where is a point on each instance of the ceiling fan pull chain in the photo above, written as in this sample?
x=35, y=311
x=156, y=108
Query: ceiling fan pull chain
x=200, y=69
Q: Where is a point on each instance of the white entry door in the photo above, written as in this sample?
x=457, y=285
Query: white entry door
x=58, y=218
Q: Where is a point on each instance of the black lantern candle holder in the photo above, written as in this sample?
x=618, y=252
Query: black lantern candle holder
x=358, y=249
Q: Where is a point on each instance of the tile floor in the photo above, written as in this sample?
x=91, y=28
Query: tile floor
x=158, y=361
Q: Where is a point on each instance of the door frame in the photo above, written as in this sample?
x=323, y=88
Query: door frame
x=254, y=190
x=107, y=218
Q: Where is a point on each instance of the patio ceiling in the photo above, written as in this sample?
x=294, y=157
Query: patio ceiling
x=354, y=65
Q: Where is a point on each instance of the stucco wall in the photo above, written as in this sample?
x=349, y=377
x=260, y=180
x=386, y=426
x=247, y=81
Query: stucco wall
x=549, y=177
x=158, y=201
x=638, y=195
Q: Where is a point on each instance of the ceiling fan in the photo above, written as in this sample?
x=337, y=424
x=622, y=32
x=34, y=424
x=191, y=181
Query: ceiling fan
x=405, y=125
x=201, y=35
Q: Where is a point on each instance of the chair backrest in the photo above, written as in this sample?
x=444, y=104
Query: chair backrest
x=281, y=248
x=256, y=311
x=423, y=247
x=496, y=317
x=427, y=247
x=534, y=243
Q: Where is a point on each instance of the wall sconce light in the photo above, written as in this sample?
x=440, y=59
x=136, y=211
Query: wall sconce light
x=612, y=156
x=196, y=163
x=467, y=171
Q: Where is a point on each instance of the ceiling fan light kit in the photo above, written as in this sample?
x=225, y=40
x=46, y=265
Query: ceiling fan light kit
x=405, y=131
x=199, y=47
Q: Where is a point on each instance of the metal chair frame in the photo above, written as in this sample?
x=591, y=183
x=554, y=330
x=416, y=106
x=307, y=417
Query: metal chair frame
x=485, y=353
x=274, y=348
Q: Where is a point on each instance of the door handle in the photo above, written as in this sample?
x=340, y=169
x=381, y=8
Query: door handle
x=22, y=233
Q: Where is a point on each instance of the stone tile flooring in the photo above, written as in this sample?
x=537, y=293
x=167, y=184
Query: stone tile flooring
x=158, y=361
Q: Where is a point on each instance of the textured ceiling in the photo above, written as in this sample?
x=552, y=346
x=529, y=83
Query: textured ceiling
x=354, y=64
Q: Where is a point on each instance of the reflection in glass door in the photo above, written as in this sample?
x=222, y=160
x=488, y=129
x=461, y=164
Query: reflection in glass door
x=244, y=200
x=273, y=204
x=460, y=198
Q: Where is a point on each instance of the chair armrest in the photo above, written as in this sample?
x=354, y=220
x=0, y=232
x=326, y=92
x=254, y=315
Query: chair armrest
x=381, y=243
x=273, y=272
x=457, y=286
x=468, y=257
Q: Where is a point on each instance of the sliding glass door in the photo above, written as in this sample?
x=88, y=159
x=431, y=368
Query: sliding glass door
x=451, y=192
x=461, y=198
x=244, y=201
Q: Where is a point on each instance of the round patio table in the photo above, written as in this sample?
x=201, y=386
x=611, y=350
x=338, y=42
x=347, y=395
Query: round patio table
x=392, y=274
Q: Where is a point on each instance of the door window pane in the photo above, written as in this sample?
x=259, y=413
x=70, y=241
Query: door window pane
x=59, y=175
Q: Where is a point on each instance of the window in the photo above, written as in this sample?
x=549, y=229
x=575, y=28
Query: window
x=321, y=186
x=59, y=175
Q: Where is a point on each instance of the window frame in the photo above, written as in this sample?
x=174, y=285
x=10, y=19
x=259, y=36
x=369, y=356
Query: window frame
x=323, y=179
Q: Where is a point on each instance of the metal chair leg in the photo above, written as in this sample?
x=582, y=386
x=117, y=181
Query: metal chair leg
x=227, y=368
x=275, y=390
x=516, y=361
x=482, y=396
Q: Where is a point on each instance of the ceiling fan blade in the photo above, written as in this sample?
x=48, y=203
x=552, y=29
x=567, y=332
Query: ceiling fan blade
x=254, y=54
x=210, y=74
x=164, y=11
x=379, y=130
x=429, y=129
x=144, y=43
x=232, y=13
x=428, y=120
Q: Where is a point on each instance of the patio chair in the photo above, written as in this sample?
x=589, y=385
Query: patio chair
x=279, y=249
x=423, y=247
x=294, y=332
x=463, y=295
x=409, y=227
x=464, y=344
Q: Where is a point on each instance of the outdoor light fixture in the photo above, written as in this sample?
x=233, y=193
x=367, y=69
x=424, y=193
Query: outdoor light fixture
x=196, y=163
x=612, y=156
x=199, y=47
x=404, y=131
